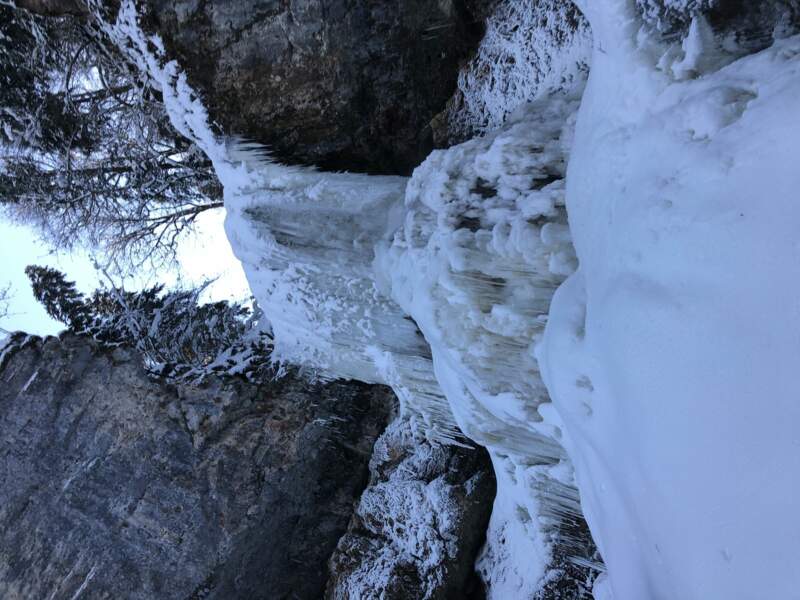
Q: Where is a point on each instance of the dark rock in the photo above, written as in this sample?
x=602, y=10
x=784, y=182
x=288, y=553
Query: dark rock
x=419, y=525
x=116, y=486
x=747, y=25
x=340, y=84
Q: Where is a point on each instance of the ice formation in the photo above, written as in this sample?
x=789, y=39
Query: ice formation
x=672, y=353
x=437, y=285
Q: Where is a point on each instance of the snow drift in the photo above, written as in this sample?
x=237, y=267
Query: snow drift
x=672, y=353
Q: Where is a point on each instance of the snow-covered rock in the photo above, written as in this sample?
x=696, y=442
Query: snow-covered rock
x=419, y=524
x=530, y=50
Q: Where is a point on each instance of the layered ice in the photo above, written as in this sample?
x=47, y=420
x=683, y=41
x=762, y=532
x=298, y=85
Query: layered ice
x=483, y=245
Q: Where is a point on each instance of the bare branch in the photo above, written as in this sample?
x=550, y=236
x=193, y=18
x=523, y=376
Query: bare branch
x=5, y=297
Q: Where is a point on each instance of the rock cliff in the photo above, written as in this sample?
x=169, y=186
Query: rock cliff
x=117, y=486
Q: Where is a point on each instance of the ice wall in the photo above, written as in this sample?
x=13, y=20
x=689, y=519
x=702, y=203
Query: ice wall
x=483, y=245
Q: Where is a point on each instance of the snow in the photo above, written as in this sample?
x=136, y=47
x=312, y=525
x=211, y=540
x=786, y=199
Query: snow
x=410, y=519
x=30, y=381
x=672, y=353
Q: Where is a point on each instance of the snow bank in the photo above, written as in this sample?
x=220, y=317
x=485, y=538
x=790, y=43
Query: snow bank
x=672, y=353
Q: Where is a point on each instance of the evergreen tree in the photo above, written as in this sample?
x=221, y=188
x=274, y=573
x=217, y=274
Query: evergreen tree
x=59, y=297
x=5, y=294
x=177, y=336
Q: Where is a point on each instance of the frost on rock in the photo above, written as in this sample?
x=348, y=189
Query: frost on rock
x=530, y=50
x=672, y=353
x=418, y=524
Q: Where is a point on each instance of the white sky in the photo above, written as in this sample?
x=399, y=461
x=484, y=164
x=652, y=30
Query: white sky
x=207, y=254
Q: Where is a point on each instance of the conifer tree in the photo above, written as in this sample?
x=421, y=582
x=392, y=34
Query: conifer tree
x=59, y=297
x=178, y=336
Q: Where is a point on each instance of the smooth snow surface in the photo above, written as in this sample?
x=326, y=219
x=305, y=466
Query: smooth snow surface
x=672, y=354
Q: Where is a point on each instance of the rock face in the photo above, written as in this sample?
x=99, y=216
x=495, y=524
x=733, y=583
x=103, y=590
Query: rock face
x=115, y=486
x=744, y=26
x=341, y=84
x=419, y=524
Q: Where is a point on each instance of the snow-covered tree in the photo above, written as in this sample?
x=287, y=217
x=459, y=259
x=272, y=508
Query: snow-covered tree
x=5, y=293
x=178, y=336
x=59, y=297
x=87, y=153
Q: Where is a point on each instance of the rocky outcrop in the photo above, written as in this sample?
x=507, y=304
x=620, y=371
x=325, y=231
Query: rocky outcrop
x=116, y=486
x=419, y=524
x=529, y=50
x=342, y=84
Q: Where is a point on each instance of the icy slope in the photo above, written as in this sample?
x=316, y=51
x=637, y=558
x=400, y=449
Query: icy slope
x=672, y=353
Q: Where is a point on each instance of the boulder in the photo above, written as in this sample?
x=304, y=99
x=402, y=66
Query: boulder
x=340, y=84
x=419, y=525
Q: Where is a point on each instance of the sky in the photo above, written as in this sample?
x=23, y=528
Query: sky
x=206, y=254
